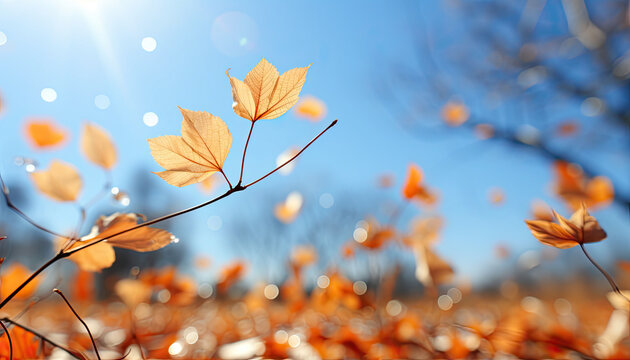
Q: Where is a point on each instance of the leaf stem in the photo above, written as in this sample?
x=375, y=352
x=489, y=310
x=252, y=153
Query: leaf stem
x=294, y=156
x=240, y=178
x=25, y=328
x=6, y=331
x=98, y=356
x=611, y=281
x=226, y=178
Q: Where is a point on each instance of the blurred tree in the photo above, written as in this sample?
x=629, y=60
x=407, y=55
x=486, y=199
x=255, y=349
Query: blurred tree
x=549, y=76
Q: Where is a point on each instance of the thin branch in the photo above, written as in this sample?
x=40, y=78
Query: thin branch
x=10, y=205
x=611, y=281
x=98, y=356
x=74, y=354
x=240, y=178
x=294, y=156
x=6, y=331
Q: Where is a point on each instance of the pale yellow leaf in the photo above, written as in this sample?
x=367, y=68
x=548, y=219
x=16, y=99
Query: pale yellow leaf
x=142, y=239
x=261, y=81
x=60, y=182
x=207, y=135
x=97, y=146
x=196, y=155
x=243, y=101
x=286, y=92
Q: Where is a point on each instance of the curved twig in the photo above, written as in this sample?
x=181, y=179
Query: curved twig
x=98, y=356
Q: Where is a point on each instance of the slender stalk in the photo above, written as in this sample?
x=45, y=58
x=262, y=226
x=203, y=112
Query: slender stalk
x=226, y=179
x=240, y=178
x=10, y=205
x=294, y=156
x=611, y=281
x=6, y=331
x=25, y=328
x=98, y=356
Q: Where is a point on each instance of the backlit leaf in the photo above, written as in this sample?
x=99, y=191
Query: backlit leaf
x=44, y=133
x=60, y=182
x=97, y=146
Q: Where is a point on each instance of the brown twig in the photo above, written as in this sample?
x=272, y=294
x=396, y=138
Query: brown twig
x=98, y=356
x=6, y=331
x=74, y=354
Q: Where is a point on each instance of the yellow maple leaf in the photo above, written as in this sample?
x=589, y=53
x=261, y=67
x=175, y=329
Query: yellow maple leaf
x=264, y=94
x=60, y=182
x=197, y=154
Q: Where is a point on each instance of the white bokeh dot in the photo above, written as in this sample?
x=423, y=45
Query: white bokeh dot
x=150, y=119
x=3, y=38
x=101, y=101
x=49, y=94
x=215, y=222
x=149, y=44
x=326, y=200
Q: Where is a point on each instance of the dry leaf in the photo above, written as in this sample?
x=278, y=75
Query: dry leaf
x=264, y=94
x=541, y=211
x=289, y=209
x=197, y=154
x=455, y=113
x=310, y=108
x=431, y=269
x=581, y=228
x=98, y=146
x=60, y=182
x=94, y=258
x=44, y=133
x=575, y=188
x=142, y=239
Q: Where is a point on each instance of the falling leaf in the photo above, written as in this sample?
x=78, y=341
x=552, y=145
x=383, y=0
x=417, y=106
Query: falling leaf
x=581, y=228
x=142, y=239
x=455, y=113
x=60, y=182
x=264, y=94
x=414, y=189
x=496, y=196
x=44, y=133
x=567, y=128
x=197, y=154
x=132, y=292
x=310, y=108
x=98, y=146
x=289, y=209
x=575, y=188
x=14, y=276
x=304, y=255
x=25, y=346
x=229, y=275
x=484, y=131
x=375, y=236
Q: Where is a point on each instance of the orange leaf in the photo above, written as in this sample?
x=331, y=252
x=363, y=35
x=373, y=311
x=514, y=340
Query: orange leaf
x=44, y=133
x=415, y=189
x=289, y=209
x=13, y=277
x=310, y=108
x=97, y=146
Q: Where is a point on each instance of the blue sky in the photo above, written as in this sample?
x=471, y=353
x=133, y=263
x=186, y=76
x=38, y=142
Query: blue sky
x=85, y=48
